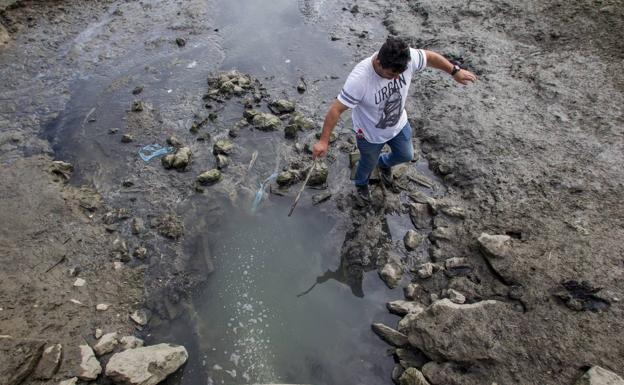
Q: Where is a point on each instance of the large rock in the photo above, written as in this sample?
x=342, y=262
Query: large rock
x=391, y=274
x=18, y=359
x=266, y=122
x=146, y=366
x=282, y=106
x=447, y=331
x=90, y=367
x=391, y=336
x=180, y=160
x=223, y=146
x=410, y=359
x=319, y=175
x=420, y=214
x=286, y=178
x=412, y=376
x=413, y=291
x=49, y=362
x=599, y=376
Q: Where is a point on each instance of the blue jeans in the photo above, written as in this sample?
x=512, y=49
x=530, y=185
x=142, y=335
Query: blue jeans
x=401, y=148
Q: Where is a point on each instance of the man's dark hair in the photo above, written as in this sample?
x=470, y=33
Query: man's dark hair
x=394, y=54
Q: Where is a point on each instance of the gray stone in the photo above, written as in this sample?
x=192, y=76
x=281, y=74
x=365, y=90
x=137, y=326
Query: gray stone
x=4, y=36
x=391, y=274
x=90, y=367
x=397, y=371
x=175, y=142
x=420, y=214
x=61, y=168
x=457, y=263
x=391, y=336
x=290, y=131
x=401, y=307
x=425, y=270
x=599, y=376
x=98, y=333
x=282, y=106
x=141, y=316
x=19, y=358
x=412, y=376
x=209, y=177
x=286, y=178
x=440, y=234
x=49, y=362
x=266, y=122
x=406, y=321
x=495, y=246
x=301, y=122
x=410, y=359
x=455, y=296
x=130, y=342
x=319, y=175
x=412, y=239
x=137, y=106
x=137, y=226
x=222, y=161
x=179, y=160
x=146, y=365
x=250, y=114
x=70, y=381
x=452, y=211
x=102, y=307
x=223, y=146
x=106, y=344
x=413, y=291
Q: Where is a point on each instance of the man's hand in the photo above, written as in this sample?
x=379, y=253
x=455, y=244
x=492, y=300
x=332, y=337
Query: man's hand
x=319, y=149
x=464, y=76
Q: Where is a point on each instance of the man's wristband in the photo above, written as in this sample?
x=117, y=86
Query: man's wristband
x=455, y=70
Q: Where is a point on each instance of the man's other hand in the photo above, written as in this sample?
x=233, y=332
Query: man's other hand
x=319, y=149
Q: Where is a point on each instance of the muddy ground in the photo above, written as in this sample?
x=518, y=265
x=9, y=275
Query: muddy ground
x=532, y=151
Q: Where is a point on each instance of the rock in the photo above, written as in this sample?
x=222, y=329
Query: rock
x=412, y=376
x=111, y=131
x=413, y=291
x=180, y=42
x=137, y=90
x=146, y=365
x=412, y=240
x=140, y=316
x=286, y=178
x=390, y=335
x=282, y=106
x=98, y=333
x=130, y=342
x=290, y=131
x=175, y=142
x=409, y=359
x=320, y=198
x=456, y=296
x=457, y=263
x=222, y=161
x=19, y=358
x=137, y=226
x=425, y=270
x=250, y=114
x=70, y=381
x=102, y=307
x=463, y=333
x=209, y=177
x=90, y=367
x=495, y=246
x=301, y=122
x=61, y=168
x=420, y=214
x=397, y=371
x=79, y=282
x=127, y=138
x=599, y=376
x=4, y=36
x=319, y=175
x=405, y=322
x=223, y=146
x=391, y=274
x=266, y=122
x=301, y=87
x=137, y=106
x=401, y=307
x=456, y=212
x=106, y=344
x=182, y=158
x=169, y=226
x=117, y=265
x=440, y=234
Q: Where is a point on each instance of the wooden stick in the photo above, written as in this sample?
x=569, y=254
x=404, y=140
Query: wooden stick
x=302, y=188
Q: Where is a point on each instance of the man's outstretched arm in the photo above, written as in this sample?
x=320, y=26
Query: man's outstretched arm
x=331, y=119
x=438, y=61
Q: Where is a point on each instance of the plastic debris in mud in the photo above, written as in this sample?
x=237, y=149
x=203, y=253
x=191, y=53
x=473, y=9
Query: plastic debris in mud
x=261, y=191
x=151, y=151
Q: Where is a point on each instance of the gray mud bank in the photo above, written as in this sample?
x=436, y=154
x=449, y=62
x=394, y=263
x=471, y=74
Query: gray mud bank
x=502, y=253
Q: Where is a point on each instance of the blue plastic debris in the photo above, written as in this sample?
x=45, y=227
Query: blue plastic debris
x=260, y=193
x=151, y=151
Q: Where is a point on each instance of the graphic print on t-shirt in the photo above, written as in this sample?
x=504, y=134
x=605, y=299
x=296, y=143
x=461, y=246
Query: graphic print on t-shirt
x=391, y=95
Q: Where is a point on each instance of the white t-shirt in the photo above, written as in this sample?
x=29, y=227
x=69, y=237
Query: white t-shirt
x=378, y=104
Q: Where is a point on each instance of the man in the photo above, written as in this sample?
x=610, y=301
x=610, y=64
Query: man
x=376, y=90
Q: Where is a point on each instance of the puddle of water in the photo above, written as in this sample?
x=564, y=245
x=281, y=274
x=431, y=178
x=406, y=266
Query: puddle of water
x=256, y=327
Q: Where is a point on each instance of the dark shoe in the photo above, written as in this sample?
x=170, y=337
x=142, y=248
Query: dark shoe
x=388, y=180
x=363, y=195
